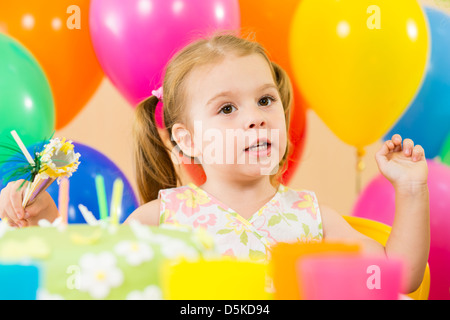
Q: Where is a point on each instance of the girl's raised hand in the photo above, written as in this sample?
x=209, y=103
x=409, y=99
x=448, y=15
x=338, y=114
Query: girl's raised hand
x=405, y=166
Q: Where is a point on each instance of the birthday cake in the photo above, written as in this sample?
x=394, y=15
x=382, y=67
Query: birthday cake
x=95, y=262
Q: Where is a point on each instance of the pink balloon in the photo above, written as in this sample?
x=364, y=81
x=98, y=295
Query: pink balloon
x=377, y=202
x=134, y=39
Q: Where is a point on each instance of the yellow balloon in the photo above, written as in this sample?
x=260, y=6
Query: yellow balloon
x=359, y=63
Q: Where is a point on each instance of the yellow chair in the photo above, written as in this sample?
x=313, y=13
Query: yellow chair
x=380, y=232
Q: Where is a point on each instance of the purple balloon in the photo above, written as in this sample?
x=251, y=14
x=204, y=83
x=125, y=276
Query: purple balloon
x=377, y=202
x=134, y=39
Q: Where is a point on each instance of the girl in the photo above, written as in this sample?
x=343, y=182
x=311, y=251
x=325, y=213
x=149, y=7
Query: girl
x=226, y=105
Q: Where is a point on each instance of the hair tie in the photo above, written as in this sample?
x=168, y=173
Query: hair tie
x=158, y=93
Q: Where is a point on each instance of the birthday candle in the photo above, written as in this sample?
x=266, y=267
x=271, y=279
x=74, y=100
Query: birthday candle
x=63, y=200
x=101, y=196
x=116, y=201
x=87, y=215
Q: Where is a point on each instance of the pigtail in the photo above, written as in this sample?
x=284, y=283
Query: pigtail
x=153, y=164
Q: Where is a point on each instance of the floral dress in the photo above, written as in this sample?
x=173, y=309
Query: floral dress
x=290, y=216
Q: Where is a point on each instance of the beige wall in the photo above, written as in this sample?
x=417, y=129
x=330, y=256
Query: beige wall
x=327, y=165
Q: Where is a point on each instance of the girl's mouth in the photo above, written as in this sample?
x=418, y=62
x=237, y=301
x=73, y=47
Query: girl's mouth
x=260, y=148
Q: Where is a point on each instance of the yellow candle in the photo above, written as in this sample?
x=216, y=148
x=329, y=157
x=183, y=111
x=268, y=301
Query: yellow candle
x=116, y=201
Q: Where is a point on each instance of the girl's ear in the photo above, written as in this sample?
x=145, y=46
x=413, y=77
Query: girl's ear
x=182, y=136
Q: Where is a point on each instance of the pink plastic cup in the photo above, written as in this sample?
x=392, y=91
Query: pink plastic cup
x=349, y=278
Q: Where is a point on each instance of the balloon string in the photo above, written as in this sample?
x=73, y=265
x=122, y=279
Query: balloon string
x=360, y=166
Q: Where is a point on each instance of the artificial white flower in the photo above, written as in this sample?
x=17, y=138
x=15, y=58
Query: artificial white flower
x=58, y=160
x=135, y=252
x=99, y=274
x=152, y=292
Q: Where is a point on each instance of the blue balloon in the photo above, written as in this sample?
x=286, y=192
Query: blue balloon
x=82, y=188
x=427, y=120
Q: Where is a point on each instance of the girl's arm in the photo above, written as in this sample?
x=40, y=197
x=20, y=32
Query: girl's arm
x=406, y=168
x=336, y=228
x=410, y=236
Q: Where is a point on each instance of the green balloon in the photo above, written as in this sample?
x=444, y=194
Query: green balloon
x=26, y=100
x=445, y=151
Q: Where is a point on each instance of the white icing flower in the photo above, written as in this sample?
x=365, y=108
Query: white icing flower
x=175, y=248
x=44, y=223
x=99, y=274
x=57, y=223
x=141, y=231
x=135, y=252
x=152, y=292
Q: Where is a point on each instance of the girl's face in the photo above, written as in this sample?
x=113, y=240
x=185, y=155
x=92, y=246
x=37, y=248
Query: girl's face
x=237, y=120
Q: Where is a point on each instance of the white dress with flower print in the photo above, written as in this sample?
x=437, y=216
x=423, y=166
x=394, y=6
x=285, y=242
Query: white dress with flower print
x=290, y=216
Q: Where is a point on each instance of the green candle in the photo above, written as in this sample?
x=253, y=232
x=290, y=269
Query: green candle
x=101, y=196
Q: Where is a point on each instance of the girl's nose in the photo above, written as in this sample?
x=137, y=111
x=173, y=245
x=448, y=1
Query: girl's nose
x=255, y=119
x=256, y=125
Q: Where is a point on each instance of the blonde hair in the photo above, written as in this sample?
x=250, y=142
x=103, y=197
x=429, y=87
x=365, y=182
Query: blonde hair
x=154, y=167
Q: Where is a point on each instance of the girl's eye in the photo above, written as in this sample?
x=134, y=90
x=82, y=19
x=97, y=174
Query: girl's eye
x=227, y=109
x=266, y=101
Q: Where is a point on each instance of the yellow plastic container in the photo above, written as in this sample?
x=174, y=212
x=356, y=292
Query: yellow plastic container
x=218, y=279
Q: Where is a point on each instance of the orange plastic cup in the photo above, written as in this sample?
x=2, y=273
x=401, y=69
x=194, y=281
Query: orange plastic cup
x=282, y=266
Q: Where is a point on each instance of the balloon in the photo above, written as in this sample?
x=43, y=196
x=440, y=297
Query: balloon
x=377, y=202
x=57, y=34
x=427, y=120
x=445, y=152
x=83, y=189
x=135, y=39
x=359, y=63
x=26, y=101
x=262, y=17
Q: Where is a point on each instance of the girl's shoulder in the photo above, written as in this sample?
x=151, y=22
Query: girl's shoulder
x=147, y=213
x=173, y=190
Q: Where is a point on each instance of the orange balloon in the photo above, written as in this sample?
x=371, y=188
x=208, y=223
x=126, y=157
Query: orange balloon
x=270, y=22
x=57, y=34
